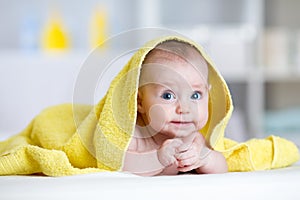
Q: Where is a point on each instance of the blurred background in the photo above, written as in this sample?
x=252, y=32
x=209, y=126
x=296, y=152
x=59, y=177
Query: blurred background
x=254, y=43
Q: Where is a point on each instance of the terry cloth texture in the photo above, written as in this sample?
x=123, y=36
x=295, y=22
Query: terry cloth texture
x=74, y=139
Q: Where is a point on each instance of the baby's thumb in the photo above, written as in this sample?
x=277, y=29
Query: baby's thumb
x=176, y=143
x=184, y=147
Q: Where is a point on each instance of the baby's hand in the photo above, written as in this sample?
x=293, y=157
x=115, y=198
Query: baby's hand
x=192, y=156
x=166, y=153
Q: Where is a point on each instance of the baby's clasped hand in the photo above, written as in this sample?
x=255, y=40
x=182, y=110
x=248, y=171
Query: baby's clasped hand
x=192, y=156
x=187, y=154
x=166, y=153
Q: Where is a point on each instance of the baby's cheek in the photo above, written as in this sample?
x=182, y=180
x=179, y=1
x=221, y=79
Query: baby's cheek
x=204, y=120
x=157, y=117
x=202, y=116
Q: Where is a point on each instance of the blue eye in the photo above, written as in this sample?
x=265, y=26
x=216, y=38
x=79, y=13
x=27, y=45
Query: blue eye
x=196, y=96
x=168, y=96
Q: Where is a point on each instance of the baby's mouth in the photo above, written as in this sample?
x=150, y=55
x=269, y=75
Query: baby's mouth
x=181, y=123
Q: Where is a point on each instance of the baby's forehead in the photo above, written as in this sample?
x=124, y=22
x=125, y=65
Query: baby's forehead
x=164, y=57
x=166, y=68
x=158, y=77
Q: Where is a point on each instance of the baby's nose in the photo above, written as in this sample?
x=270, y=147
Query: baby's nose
x=183, y=107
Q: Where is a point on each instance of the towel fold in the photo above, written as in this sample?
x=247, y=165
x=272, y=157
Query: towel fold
x=73, y=139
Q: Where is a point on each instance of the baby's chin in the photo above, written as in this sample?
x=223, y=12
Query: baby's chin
x=179, y=133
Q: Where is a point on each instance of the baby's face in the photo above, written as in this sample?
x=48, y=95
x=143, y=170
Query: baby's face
x=173, y=96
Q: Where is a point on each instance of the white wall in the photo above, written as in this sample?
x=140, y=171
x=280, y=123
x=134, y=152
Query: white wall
x=29, y=84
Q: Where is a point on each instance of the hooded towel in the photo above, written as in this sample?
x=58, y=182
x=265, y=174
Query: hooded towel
x=74, y=139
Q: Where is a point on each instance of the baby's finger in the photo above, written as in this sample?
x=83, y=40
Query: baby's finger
x=187, y=162
x=185, y=155
x=176, y=143
x=171, y=162
x=172, y=145
x=184, y=147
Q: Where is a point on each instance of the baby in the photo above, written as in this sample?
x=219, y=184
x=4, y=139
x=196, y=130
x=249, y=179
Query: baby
x=172, y=107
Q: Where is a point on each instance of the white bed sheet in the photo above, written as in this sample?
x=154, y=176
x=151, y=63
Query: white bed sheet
x=272, y=184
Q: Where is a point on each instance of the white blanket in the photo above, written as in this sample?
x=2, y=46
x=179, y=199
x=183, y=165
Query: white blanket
x=274, y=184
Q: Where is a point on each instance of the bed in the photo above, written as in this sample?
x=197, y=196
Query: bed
x=272, y=184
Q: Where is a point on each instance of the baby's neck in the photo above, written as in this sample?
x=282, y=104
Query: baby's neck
x=160, y=138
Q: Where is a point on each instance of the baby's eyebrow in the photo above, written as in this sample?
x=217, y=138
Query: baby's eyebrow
x=200, y=85
x=165, y=84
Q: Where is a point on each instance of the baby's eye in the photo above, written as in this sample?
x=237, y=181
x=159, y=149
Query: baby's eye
x=196, y=95
x=168, y=96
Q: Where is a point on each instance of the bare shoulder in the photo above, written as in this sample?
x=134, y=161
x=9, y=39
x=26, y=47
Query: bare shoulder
x=140, y=143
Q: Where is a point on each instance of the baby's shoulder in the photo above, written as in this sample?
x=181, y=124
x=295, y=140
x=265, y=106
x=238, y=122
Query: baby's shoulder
x=141, y=143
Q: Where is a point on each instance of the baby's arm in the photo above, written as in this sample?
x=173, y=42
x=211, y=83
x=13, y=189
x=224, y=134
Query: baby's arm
x=214, y=163
x=150, y=162
x=201, y=158
x=141, y=163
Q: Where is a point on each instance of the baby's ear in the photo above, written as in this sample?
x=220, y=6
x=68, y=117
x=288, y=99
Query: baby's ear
x=140, y=107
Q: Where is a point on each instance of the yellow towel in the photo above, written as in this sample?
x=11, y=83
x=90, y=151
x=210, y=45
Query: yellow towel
x=74, y=139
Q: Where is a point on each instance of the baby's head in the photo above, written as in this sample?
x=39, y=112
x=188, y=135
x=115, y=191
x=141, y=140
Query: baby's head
x=173, y=89
x=177, y=51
